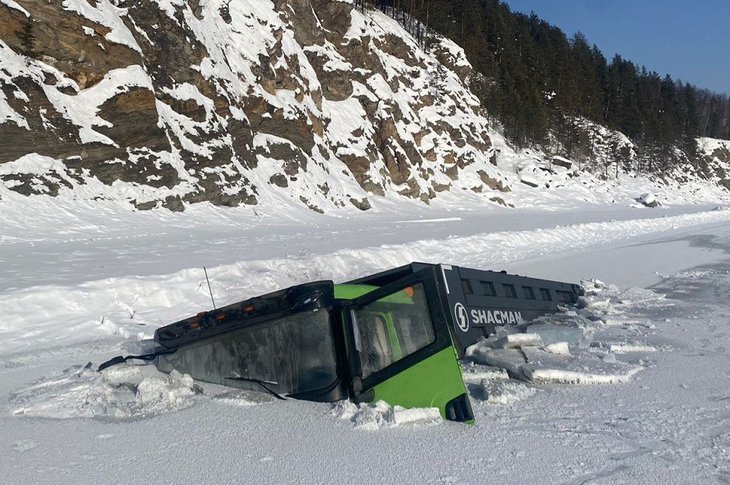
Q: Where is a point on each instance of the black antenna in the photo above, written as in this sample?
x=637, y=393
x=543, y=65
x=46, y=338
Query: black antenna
x=210, y=290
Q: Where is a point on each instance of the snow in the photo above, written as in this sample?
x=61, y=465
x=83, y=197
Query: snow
x=458, y=57
x=13, y=64
x=647, y=199
x=102, y=284
x=347, y=116
x=501, y=392
x=82, y=108
x=32, y=164
x=128, y=305
x=558, y=348
x=335, y=61
x=628, y=348
x=518, y=340
x=14, y=4
x=257, y=31
x=550, y=333
x=169, y=6
x=378, y=415
x=709, y=145
x=107, y=15
x=121, y=392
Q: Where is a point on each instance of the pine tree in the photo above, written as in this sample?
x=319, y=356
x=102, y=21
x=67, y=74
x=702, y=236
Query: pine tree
x=27, y=38
x=534, y=80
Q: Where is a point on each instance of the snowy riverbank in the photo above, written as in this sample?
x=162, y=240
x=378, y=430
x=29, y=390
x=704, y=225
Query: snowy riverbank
x=91, y=293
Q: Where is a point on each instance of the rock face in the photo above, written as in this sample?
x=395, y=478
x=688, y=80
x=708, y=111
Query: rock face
x=171, y=102
x=715, y=161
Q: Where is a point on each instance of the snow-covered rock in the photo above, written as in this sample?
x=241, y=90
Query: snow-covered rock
x=314, y=103
x=648, y=200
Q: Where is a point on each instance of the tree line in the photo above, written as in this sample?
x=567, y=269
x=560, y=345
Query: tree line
x=535, y=80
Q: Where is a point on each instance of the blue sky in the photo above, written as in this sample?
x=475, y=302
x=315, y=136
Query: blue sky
x=687, y=39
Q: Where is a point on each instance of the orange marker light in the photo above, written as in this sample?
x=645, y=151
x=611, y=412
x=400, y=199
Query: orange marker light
x=248, y=309
x=409, y=292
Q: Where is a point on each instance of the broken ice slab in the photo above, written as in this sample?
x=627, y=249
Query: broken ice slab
x=517, y=340
x=380, y=414
x=623, y=347
x=540, y=366
x=620, y=321
x=592, y=286
x=510, y=360
x=578, y=368
x=473, y=372
x=630, y=348
x=508, y=337
x=559, y=348
x=551, y=334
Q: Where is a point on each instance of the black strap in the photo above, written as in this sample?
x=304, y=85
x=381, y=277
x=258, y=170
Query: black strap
x=261, y=383
x=120, y=359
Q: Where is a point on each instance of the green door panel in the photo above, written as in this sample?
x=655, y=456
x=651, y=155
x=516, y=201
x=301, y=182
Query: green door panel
x=402, y=349
x=433, y=382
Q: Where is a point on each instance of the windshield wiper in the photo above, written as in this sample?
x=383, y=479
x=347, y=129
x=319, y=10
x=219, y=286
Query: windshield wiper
x=261, y=383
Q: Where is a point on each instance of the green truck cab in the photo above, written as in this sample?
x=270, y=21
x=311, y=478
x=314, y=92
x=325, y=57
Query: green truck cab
x=394, y=336
x=325, y=342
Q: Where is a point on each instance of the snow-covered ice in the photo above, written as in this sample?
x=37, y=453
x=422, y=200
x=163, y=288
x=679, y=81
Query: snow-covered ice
x=121, y=392
x=84, y=277
x=374, y=416
x=83, y=283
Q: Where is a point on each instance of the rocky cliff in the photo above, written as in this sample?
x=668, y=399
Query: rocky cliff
x=171, y=102
x=714, y=164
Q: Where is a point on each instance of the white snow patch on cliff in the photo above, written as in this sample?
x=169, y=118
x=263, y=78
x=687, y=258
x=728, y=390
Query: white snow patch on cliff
x=16, y=6
x=82, y=108
x=108, y=15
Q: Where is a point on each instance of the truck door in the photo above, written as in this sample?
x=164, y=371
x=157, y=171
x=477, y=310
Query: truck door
x=400, y=349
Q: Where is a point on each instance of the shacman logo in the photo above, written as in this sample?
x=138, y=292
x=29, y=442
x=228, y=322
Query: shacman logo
x=462, y=317
x=480, y=317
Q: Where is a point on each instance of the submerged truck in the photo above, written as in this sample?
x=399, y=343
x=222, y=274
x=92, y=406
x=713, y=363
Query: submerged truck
x=394, y=336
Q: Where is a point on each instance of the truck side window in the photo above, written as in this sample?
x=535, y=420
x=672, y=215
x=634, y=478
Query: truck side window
x=565, y=296
x=529, y=293
x=296, y=352
x=393, y=327
x=545, y=294
x=488, y=288
x=509, y=291
x=466, y=285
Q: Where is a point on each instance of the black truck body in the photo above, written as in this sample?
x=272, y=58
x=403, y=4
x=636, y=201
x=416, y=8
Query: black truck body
x=476, y=301
x=393, y=336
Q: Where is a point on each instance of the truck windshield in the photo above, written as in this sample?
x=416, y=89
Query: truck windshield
x=294, y=353
x=392, y=328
